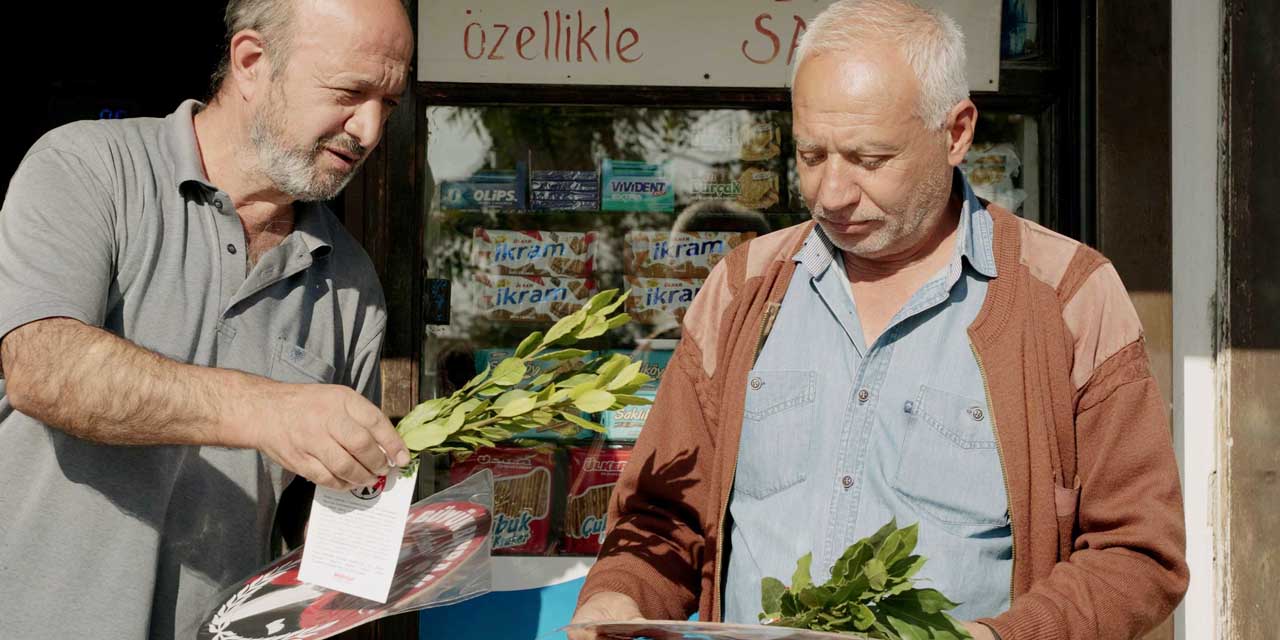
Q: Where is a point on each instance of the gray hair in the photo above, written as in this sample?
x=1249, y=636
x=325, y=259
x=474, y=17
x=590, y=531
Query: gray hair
x=272, y=18
x=930, y=40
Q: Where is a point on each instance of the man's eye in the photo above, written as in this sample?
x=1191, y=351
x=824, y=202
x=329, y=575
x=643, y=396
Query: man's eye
x=811, y=159
x=874, y=163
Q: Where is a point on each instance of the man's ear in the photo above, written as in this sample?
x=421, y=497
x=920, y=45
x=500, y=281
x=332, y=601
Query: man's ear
x=960, y=124
x=250, y=68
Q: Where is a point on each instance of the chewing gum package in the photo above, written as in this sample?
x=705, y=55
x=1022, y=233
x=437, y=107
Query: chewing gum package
x=687, y=254
x=524, y=481
x=540, y=299
x=487, y=191
x=533, y=253
x=564, y=190
x=636, y=186
x=659, y=300
x=593, y=473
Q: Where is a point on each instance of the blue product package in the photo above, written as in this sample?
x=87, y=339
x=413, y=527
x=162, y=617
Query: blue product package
x=573, y=176
x=654, y=363
x=636, y=186
x=493, y=190
x=625, y=424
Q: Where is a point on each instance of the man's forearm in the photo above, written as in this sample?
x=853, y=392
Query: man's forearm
x=98, y=386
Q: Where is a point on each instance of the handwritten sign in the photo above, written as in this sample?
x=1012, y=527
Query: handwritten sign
x=744, y=43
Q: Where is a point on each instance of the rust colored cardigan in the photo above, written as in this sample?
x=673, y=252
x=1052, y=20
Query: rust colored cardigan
x=1094, y=496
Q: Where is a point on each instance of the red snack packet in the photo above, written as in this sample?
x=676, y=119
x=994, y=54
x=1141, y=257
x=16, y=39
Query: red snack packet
x=593, y=472
x=523, y=484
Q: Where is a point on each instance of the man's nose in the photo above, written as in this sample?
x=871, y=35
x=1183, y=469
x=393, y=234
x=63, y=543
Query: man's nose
x=365, y=125
x=839, y=188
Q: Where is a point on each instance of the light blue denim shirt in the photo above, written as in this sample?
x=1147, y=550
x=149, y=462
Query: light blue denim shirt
x=839, y=437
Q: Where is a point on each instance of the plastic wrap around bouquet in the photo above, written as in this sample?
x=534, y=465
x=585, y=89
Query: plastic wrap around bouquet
x=444, y=559
x=693, y=630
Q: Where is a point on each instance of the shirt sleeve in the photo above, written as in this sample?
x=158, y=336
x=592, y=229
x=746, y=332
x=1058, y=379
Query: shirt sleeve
x=57, y=241
x=366, y=369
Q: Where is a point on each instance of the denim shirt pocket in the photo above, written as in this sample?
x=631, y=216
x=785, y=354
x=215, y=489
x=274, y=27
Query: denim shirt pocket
x=778, y=415
x=293, y=364
x=950, y=468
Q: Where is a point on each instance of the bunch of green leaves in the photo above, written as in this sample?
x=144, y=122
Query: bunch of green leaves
x=516, y=396
x=871, y=592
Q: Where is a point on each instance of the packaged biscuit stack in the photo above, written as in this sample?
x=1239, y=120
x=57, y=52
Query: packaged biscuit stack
x=533, y=253
x=525, y=481
x=564, y=191
x=535, y=299
x=760, y=141
x=660, y=300
x=593, y=473
x=758, y=188
x=683, y=254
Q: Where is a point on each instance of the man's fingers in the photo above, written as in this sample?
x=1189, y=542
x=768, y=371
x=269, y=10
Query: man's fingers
x=315, y=471
x=346, y=468
x=360, y=444
x=380, y=429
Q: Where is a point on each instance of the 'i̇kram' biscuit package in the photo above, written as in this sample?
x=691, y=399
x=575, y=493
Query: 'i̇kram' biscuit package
x=539, y=299
x=660, y=300
x=533, y=253
x=524, y=481
x=593, y=472
x=684, y=254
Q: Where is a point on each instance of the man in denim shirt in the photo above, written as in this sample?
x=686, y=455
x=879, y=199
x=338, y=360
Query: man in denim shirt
x=913, y=354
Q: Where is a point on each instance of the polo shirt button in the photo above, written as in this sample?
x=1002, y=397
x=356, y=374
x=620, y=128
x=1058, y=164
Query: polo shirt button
x=231, y=249
x=863, y=394
x=847, y=482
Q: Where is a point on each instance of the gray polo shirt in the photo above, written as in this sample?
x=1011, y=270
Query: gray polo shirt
x=114, y=223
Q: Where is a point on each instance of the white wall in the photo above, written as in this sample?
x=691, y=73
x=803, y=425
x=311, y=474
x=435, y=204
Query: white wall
x=1196, y=48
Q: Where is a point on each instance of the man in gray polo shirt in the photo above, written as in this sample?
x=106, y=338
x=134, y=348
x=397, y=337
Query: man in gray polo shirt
x=183, y=327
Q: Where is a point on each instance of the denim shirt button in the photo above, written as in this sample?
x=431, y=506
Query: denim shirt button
x=975, y=413
x=847, y=482
x=863, y=394
x=756, y=383
x=909, y=407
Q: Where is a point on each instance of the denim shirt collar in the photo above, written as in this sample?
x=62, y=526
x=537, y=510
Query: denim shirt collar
x=974, y=244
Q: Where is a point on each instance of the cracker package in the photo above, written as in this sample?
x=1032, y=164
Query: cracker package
x=593, y=472
x=539, y=299
x=524, y=481
x=533, y=253
x=625, y=424
x=683, y=254
x=715, y=184
x=760, y=141
x=659, y=300
x=759, y=188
